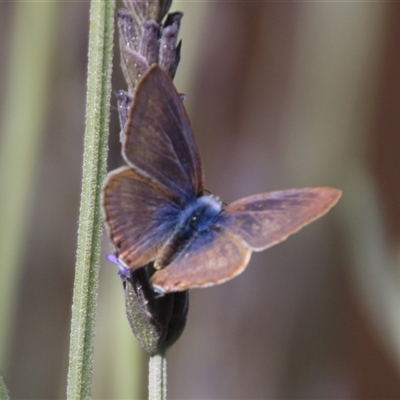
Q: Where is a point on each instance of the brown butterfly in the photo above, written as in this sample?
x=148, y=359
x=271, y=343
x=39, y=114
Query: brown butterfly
x=156, y=211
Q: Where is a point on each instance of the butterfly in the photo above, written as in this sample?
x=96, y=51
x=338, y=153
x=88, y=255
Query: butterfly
x=156, y=210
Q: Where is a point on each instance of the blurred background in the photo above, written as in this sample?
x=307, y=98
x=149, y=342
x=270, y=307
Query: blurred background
x=280, y=95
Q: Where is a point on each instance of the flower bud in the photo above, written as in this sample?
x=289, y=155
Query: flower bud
x=156, y=321
x=149, y=9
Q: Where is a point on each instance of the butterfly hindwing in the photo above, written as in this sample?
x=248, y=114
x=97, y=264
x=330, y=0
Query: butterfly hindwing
x=212, y=257
x=138, y=215
x=159, y=142
x=266, y=219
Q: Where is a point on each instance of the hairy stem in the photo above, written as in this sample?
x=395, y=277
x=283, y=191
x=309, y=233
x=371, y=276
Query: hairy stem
x=89, y=231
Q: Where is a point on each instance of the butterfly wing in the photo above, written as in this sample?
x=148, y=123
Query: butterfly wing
x=139, y=216
x=266, y=219
x=159, y=143
x=212, y=257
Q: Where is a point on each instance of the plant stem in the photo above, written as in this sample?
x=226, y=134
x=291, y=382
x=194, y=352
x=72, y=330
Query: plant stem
x=89, y=231
x=3, y=390
x=158, y=377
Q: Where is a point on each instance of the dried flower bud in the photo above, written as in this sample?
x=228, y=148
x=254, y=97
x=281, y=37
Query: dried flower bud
x=173, y=19
x=170, y=53
x=149, y=41
x=132, y=63
x=149, y=9
x=136, y=65
x=157, y=322
x=144, y=42
x=129, y=35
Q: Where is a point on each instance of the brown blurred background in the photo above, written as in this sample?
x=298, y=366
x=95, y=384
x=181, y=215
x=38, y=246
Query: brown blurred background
x=280, y=94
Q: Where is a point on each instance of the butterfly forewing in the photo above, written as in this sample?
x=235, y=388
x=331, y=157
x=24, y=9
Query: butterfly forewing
x=159, y=142
x=266, y=219
x=139, y=217
x=212, y=257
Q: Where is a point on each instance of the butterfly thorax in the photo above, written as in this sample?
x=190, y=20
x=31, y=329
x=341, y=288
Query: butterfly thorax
x=196, y=217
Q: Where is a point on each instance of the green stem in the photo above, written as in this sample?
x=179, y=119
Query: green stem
x=89, y=231
x=3, y=390
x=158, y=377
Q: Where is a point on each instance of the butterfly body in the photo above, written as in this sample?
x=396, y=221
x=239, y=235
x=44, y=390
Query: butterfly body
x=155, y=209
x=194, y=220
